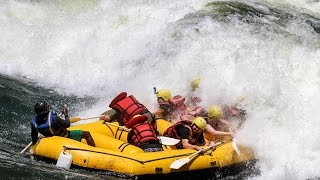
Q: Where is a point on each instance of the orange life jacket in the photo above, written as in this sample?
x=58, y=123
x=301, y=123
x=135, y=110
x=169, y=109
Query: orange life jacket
x=143, y=133
x=127, y=106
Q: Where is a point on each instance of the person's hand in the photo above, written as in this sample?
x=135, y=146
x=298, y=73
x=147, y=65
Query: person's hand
x=105, y=117
x=40, y=136
x=213, y=145
x=200, y=149
x=31, y=151
x=65, y=111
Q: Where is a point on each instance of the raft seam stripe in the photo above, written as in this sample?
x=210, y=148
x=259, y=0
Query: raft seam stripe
x=110, y=129
x=141, y=162
x=121, y=145
x=127, y=144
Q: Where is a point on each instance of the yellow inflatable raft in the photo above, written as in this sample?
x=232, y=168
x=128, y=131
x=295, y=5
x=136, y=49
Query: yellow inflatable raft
x=113, y=153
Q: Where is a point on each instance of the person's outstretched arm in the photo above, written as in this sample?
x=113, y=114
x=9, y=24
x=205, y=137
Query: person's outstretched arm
x=214, y=132
x=34, y=134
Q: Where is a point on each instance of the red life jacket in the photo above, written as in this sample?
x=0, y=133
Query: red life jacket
x=197, y=111
x=174, y=107
x=172, y=132
x=143, y=133
x=127, y=106
x=136, y=120
x=178, y=103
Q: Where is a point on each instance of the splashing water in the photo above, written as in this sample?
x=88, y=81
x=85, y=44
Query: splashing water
x=103, y=47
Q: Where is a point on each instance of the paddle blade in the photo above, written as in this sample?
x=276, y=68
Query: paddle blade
x=177, y=164
x=234, y=144
x=235, y=147
x=168, y=141
x=180, y=162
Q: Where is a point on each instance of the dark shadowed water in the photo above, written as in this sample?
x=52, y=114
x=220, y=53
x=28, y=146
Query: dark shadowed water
x=83, y=53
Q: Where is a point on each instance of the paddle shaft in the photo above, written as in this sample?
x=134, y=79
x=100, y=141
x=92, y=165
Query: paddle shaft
x=205, y=149
x=120, y=127
x=76, y=119
x=27, y=147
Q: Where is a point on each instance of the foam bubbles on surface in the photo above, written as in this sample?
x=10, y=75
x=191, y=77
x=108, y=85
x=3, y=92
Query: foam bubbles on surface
x=102, y=48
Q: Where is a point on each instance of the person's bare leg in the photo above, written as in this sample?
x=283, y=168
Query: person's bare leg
x=86, y=135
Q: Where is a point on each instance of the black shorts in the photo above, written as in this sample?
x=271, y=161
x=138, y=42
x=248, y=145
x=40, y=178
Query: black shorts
x=151, y=147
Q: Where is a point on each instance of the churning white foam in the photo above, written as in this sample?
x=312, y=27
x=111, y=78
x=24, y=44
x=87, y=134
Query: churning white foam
x=105, y=47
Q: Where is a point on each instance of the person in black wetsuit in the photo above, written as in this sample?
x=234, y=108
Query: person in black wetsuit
x=48, y=124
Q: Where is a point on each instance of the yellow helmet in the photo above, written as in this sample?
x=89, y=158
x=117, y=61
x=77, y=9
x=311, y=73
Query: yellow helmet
x=165, y=94
x=200, y=122
x=242, y=98
x=195, y=83
x=215, y=112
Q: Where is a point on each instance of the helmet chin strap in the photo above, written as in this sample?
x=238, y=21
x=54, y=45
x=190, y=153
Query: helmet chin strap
x=44, y=111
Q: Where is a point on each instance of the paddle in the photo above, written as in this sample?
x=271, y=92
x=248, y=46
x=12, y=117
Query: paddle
x=76, y=119
x=120, y=127
x=163, y=139
x=72, y=120
x=168, y=140
x=234, y=144
x=27, y=147
x=177, y=164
